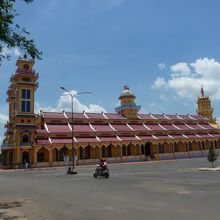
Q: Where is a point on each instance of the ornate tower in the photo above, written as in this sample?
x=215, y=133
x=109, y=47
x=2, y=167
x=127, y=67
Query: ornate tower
x=204, y=106
x=22, y=120
x=128, y=107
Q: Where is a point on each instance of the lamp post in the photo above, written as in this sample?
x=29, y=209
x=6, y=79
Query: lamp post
x=73, y=150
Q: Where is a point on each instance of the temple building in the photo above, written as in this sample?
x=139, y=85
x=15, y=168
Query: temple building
x=45, y=139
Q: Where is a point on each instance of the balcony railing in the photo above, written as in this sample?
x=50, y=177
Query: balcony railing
x=25, y=144
x=127, y=106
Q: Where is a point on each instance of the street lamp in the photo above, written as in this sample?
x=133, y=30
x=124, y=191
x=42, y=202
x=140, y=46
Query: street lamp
x=73, y=150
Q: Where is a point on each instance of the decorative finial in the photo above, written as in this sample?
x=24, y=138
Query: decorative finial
x=202, y=91
x=126, y=87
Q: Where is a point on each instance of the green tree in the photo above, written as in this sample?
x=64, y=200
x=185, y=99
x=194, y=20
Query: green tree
x=11, y=34
x=212, y=157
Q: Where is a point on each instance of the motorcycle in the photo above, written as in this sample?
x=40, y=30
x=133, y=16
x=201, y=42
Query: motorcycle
x=99, y=171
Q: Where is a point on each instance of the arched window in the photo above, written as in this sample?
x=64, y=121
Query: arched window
x=160, y=148
x=81, y=156
x=216, y=146
x=190, y=146
x=25, y=157
x=129, y=150
x=109, y=151
x=124, y=151
x=175, y=147
x=104, y=153
x=87, y=152
x=55, y=155
x=25, y=139
x=142, y=149
x=62, y=153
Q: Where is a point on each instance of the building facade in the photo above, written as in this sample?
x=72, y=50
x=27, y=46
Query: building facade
x=45, y=139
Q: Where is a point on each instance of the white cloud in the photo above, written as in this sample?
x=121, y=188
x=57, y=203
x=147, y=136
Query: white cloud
x=207, y=68
x=160, y=82
x=180, y=69
x=64, y=103
x=186, y=79
x=3, y=119
x=10, y=52
x=161, y=66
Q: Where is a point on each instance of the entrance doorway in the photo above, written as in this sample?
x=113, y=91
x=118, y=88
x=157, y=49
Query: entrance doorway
x=146, y=149
x=25, y=157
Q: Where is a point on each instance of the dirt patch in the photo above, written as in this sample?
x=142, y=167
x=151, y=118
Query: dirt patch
x=8, y=211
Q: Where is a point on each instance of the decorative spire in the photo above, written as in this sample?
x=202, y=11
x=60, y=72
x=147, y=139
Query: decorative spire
x=202, y=91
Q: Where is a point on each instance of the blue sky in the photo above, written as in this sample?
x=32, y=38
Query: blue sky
x=163, y=49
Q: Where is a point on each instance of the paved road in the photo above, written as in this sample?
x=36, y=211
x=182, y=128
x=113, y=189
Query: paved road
x=151, y=190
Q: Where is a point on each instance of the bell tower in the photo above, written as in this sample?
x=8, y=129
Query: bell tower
x=204, y=106
x=22, y=119
x=128, y=107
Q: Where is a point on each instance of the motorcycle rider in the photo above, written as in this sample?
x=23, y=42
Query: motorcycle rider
x=103, y=164
x=101, y=169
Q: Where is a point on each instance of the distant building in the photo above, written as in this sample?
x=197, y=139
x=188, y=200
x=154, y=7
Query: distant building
x=44, y=140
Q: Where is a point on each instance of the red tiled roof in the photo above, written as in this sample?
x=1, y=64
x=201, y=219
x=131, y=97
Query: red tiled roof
x=177, y=136
x=61, y=140
x=208, y=126
x=169, y=127
x=191, y=135
x=138, y=127
x=198, y=117
x=109, y=139
x=98, y=116
x=128, y=138
x=183, y=127
x=43, y=141
x=158, y=116
x=53, y=115
x=195, y=126
x=154, y=127
x=86, y=140
x=114, y=116
x=163, y=137
x=185, y=117
x=204, y=135
x=58, y=128
x=75, y=115
x=215, y=134
x=146, y=117
x=41, y=131
x=147, y=137
x=102, y=128
x=173, y=117
x=82, y=128
x=121, y=127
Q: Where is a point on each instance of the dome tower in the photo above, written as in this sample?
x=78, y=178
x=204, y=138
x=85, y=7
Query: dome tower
x=128, y=107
